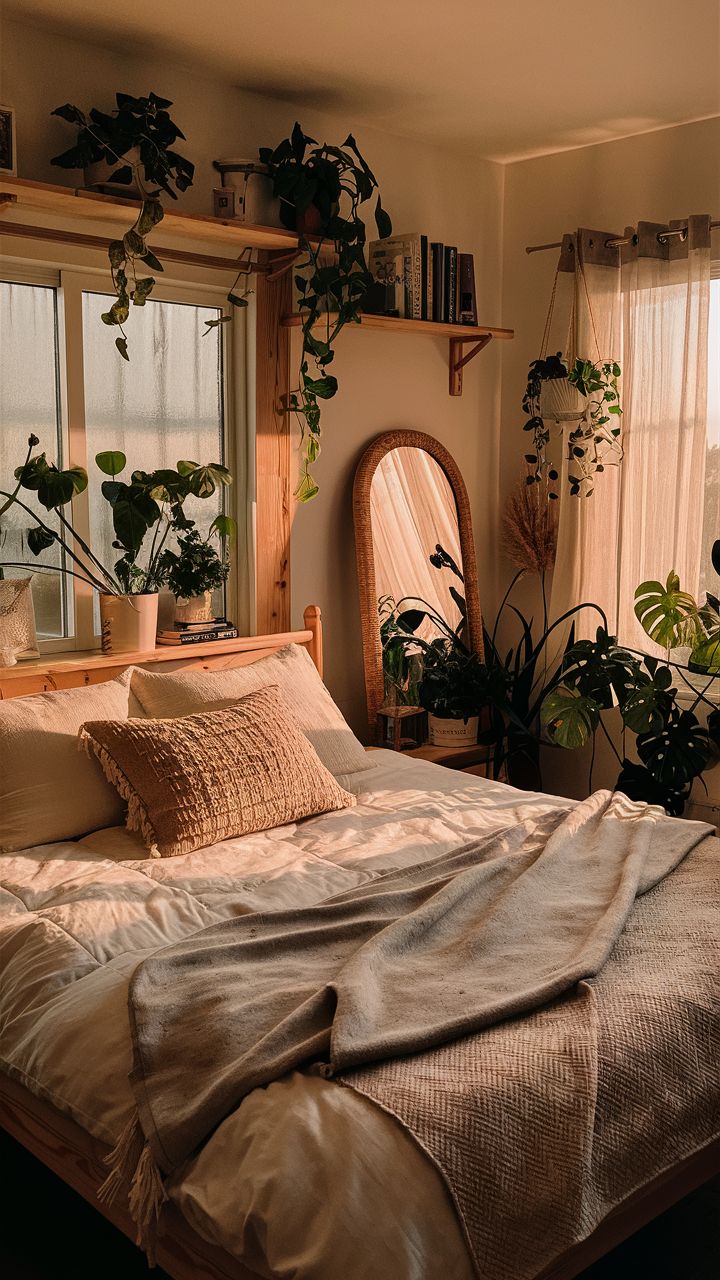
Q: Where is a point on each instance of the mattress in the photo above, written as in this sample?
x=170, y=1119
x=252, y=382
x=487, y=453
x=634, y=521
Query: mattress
x=305, y=1179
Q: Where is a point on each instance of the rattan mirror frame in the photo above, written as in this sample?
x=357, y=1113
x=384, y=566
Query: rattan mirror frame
x=366, y=468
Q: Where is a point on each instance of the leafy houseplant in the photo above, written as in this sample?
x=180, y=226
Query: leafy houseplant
x=192, y=573
x=674, y=619
x=595, y=442
x=321, y=189
x=136, y=141
x=147, y=501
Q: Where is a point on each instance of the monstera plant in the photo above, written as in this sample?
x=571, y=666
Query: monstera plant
x=674, y=619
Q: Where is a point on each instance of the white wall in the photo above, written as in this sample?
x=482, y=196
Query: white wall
x=386, y=381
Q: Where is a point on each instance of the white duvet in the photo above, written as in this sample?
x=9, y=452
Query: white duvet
x=306, y=1179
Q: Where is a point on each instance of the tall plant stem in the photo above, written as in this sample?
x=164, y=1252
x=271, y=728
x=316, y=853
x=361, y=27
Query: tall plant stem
x=115, y=586
x=47, y=568
x=99, y=586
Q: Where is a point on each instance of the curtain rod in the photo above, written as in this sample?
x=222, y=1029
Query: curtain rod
x=616, y=241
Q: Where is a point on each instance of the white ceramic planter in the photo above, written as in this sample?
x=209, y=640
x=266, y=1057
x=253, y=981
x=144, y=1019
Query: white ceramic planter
x=128, y=623
x=560, y=401
x=98, y=175
x=197, y=609
x=255, y=202
x=453, y=733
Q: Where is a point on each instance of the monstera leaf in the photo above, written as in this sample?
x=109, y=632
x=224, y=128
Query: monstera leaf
x=54, y=488
x=638, y=783
x=646, y=709
x=204, y=480
x=599, y=669
x=569, y=717
x=665, y=613
x=679, y=752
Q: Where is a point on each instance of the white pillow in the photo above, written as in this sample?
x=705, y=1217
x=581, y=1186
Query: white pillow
x=49, y=788
x=182, y=693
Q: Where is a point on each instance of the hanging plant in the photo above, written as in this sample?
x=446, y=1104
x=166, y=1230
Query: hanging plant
x=136, y=143
x=320, y=189
x=595, y=442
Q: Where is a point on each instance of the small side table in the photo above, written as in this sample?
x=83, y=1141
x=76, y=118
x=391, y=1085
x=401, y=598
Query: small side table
x=470, y=759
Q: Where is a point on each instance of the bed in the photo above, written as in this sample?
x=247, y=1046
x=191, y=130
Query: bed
x=306, y=1179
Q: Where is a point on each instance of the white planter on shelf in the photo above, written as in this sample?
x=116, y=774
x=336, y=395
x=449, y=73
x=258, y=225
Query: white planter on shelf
x=455, y=732
x=97, y=175
x=196, y=609
x=128, y=623
x=253, y=187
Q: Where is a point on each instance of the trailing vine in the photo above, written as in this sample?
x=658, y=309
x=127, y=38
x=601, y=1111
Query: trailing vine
x=595, y=442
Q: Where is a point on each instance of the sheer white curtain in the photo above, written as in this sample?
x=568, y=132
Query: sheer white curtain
x=650, y=312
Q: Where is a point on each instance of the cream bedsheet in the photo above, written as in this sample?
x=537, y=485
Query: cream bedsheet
x=306, y=1179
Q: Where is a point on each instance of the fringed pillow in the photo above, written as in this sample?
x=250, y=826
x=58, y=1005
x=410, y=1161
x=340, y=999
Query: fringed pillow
x=193, y=781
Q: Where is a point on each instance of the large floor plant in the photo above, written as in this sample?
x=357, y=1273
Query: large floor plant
x=321, y=189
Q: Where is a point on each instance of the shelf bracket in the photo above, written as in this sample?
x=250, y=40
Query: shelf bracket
x=458, y=360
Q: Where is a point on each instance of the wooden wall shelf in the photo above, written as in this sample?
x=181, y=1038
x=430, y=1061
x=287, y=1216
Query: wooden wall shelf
x=459, y=337
x=17, y=194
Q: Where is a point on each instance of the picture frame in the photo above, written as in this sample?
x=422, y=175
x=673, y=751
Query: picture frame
x=8, y=153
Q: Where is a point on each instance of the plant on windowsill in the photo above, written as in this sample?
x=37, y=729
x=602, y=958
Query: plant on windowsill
x=132, y=148
x=195, y=570
x=585, y=393
x=321, y=189
x=149, y=501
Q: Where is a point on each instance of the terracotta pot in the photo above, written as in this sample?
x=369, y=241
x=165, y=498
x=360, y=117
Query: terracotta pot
x=446, y=732
x=97, y=176
x=128, y=623
x=196, y=609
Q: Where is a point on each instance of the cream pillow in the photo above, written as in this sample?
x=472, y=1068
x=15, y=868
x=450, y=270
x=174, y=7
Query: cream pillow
x=291, y=669
x=49, y=789
x=195, y=780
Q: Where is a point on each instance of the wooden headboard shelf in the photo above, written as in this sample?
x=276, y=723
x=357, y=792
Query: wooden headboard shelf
x=71, y=670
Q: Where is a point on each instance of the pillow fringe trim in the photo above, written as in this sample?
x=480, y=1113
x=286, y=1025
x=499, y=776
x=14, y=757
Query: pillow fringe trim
x=137, y=819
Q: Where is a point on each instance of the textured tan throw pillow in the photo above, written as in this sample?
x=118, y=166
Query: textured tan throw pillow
x=181, y=693
x=199, y=779
x=49, y=790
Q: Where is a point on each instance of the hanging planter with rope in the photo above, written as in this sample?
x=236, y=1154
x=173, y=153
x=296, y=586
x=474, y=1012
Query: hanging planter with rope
x=569, y=389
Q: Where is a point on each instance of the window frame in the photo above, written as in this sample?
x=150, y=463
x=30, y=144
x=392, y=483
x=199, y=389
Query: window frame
x=71, y=279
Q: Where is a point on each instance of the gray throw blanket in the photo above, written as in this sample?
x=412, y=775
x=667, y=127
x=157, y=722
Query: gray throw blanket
x=411, y=960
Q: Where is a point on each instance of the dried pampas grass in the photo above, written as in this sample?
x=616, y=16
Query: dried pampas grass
x=530, y=528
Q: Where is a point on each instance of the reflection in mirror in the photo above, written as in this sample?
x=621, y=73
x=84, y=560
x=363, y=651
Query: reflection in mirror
x=416, y=539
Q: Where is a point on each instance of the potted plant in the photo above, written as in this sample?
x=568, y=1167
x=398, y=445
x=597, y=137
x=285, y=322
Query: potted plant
x=192, y=573
x=148, y=501
x=452, y=690
x=321, y=189
x=132, y=149
x=586, y=393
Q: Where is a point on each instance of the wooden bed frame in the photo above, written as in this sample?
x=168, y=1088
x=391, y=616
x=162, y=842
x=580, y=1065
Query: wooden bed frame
x=76, y=1157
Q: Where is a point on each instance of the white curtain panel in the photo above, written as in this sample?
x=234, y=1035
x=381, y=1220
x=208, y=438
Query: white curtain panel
x=647, y=516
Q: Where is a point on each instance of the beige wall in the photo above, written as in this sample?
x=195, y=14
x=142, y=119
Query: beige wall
x=654, y=177
x=386, y=381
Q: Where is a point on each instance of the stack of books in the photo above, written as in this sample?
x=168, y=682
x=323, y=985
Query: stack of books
x=419, y=279
x=198, y=632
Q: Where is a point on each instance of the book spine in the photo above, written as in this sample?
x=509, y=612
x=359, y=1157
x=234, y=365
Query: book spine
x=450, y=284
x=438, y=260
x=408, y=280
x=416, y=255
x=429, y=304
x=424, y=268
x=199, y=637
x=467, y=304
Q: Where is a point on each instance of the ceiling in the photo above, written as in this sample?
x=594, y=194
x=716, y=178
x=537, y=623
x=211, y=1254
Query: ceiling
x=511, y=78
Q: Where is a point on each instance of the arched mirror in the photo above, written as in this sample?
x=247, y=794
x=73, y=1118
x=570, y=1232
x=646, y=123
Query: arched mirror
x=415, y=551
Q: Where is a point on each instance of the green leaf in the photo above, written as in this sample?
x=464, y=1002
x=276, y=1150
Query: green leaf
x=665, y=613
x=56, y=488
x=39, y=540
x=224, y=526
x=568, y=717
x=134, y=243
x=111, y=462
x=204, y=480
x=214, y=324
x=382, y=221
x=679, y=752
x=646, y=709
x=116, y=253
x=238, y=300
x=121, y=344
x=152, y=262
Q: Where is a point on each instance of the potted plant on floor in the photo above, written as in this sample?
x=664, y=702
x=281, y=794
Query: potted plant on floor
x=321, y=189
x=195, y=570
x=148, y=501
x=131, y=149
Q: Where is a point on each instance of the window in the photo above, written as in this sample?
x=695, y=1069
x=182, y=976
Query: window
x=62, y=379
x=711, y=516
